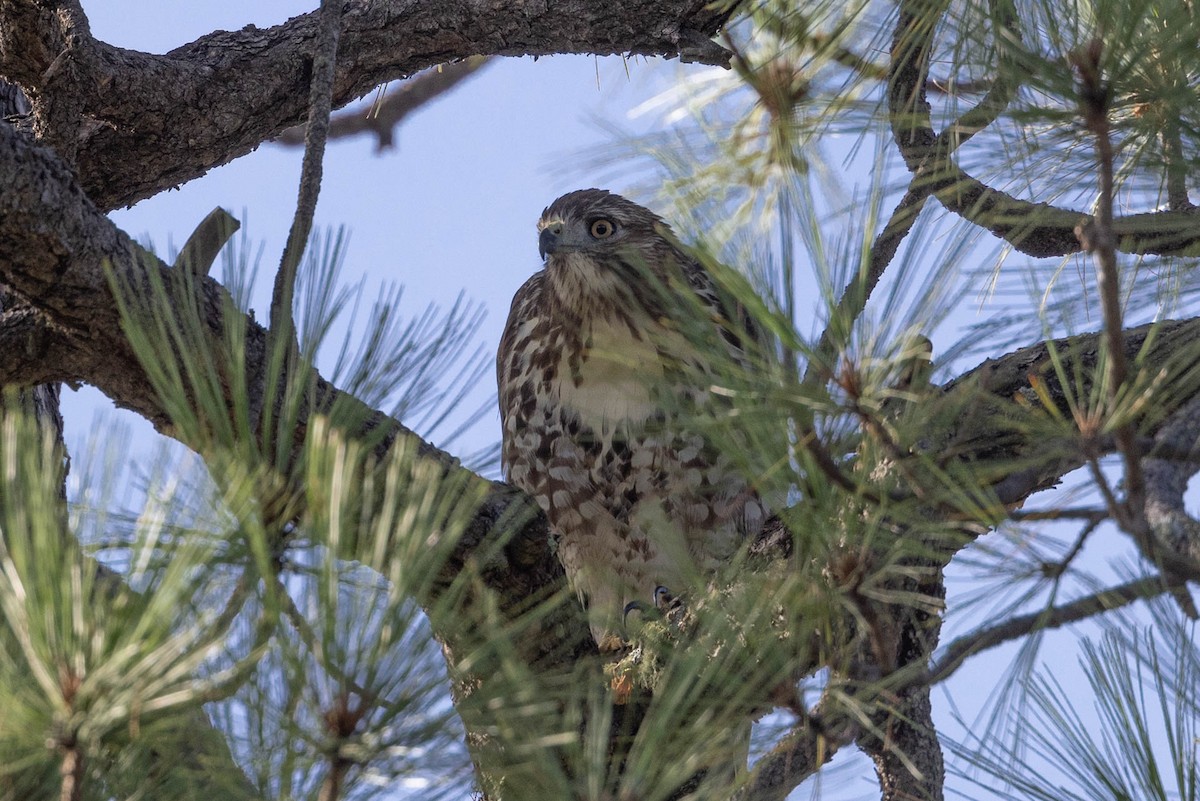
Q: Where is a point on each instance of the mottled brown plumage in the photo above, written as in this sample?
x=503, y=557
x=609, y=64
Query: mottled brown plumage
x=598, y=380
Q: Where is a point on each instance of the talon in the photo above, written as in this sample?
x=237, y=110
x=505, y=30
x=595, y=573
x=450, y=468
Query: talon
x=663, y=599
x=640, y=606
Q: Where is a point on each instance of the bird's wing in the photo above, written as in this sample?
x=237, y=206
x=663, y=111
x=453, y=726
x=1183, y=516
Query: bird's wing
x=511, y=369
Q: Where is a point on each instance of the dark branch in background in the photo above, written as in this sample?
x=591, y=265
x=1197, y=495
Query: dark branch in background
x=1171, y=345
x=381, y=119
x=1084, y=513
x=907, y=89
x=1176, y=166
x=153, y=122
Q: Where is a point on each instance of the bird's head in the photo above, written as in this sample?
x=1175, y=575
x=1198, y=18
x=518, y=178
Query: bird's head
x=594, y=221
x=597, y=243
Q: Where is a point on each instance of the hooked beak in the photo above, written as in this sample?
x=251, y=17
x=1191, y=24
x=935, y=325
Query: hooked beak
x=548, y=238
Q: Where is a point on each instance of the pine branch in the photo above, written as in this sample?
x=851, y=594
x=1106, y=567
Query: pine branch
x=1036, y=229
x=57, y=270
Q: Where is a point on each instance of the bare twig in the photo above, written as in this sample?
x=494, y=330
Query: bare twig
x=1098, y=239
x=1057, y=569
x=202, y=247
x=858, y=291
x=71, y=773
x=341, y=721
x=810, y=441
x=1000, y=93
x=1085, y=513
x=957, y=652
x=319, y=106
x=382, y=118
x=313, y=641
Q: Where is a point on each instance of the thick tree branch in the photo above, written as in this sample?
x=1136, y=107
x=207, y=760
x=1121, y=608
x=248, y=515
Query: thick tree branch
x=808, y=747
x=985, y=394
x=902, y=740
x=54, y=248
x=156, y=121
x=1167, y=481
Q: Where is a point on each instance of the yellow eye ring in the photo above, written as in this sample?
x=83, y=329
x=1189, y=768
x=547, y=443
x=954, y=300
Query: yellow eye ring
x=601, y=229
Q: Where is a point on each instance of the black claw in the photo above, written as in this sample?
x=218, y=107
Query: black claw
x=663, y=599
x=640, y=606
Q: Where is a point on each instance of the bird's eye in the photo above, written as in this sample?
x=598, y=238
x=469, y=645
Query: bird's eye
x=601, y=229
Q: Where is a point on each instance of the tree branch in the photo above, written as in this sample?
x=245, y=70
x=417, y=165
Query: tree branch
x=55, y=246
x=151, y=122
x=1167, y=480
x=883, y=249
x=986, y=394
x=381, y=119
x=1036, y=229
x=810, y=745
x=957, y=652
x=316, y=131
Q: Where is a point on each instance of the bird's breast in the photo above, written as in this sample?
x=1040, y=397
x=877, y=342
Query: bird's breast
x=610, y=378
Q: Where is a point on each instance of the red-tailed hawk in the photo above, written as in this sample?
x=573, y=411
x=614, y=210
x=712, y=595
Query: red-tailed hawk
x=599, y=378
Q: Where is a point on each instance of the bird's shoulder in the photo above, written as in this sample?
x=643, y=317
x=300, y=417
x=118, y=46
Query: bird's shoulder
x=524, y=315
x=734, y=323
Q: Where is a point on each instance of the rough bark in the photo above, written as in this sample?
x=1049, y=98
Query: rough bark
x=138, y=123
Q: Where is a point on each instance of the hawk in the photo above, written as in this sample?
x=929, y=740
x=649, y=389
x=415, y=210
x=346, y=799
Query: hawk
x=598, y=381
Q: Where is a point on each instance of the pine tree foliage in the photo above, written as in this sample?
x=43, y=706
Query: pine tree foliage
x=316, y=603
